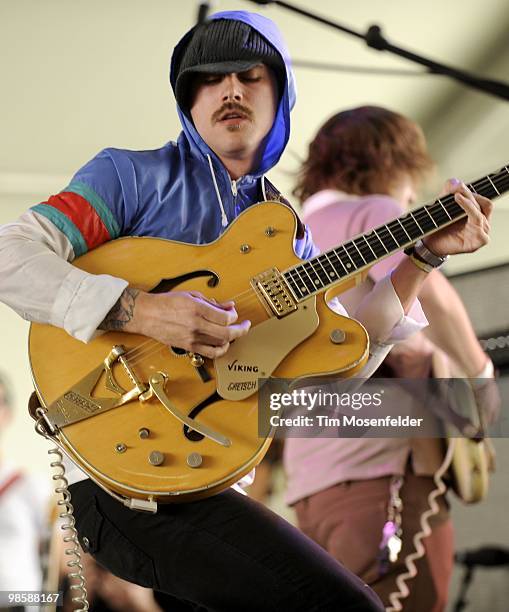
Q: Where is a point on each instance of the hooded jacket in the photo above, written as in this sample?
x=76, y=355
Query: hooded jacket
x=181, y=191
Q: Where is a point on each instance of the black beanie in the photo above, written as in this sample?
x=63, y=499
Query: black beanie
x=222, y=46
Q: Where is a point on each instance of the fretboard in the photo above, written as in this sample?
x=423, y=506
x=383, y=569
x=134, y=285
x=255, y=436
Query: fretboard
x=336, y=265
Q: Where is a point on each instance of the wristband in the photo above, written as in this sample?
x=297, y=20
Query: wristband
x=420, y=264
x=421, y=252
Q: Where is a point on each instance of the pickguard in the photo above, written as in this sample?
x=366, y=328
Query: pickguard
x=258, y=353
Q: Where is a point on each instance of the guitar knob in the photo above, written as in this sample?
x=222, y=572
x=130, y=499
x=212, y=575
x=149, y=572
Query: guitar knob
x=194, y=460
x=156, y=458
x=337, y=336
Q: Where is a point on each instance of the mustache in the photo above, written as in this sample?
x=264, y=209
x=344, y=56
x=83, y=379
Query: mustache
x=229, y=107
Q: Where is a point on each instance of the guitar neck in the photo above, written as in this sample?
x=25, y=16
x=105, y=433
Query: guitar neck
x=348, y=259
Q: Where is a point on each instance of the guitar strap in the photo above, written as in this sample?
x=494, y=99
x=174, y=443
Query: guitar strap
x=272, y=193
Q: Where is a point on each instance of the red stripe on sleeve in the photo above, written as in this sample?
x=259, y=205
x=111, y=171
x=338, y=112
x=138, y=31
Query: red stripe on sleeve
x=83, y=215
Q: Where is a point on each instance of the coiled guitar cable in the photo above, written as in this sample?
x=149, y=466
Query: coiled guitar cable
x=419, y=550
x=66, y=513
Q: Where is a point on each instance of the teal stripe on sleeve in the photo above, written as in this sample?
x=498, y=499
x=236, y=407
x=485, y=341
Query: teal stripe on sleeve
x=98, y=204
x=65, y=225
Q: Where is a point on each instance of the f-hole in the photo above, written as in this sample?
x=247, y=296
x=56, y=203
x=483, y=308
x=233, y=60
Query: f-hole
x=167, y=284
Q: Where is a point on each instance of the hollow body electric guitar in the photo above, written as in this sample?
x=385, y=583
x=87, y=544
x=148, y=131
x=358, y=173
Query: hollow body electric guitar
x=152, y=423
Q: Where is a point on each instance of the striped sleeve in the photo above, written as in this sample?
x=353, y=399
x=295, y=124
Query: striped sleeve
x=40, y=284
x=90, y=210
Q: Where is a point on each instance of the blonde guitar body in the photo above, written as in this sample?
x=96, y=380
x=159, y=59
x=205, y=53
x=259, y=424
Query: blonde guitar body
x=129, y=441
x=471, y=464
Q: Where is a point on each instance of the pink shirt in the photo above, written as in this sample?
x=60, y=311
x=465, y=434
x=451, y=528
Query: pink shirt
x=313, y=465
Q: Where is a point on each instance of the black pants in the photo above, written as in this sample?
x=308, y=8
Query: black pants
x=224, y=553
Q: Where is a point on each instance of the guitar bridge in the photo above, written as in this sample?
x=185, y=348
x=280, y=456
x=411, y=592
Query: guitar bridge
x=273, y=290
x=78, y=403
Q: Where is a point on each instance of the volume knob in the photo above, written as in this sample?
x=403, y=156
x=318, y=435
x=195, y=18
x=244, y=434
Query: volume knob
x=156, y=458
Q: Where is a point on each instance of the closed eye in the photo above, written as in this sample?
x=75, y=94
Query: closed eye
x=212, y=78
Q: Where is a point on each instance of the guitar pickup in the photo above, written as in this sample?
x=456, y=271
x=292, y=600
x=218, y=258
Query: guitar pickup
x=275, y=293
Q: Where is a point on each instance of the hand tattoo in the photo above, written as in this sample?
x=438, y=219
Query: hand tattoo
x=122, y=312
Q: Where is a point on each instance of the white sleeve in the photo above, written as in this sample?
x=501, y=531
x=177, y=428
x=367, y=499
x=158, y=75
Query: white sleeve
x=39, y=283
x=382, y=315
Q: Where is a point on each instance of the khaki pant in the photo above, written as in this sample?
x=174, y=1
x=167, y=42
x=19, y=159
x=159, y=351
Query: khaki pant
x=347, y=520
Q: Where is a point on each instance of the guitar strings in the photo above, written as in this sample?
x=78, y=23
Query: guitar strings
x=142, y=351
x=151, y=346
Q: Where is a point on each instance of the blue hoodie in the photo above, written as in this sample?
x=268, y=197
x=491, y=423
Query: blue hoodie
x=181, y=191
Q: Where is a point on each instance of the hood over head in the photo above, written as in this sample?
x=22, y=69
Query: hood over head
x=210, y=51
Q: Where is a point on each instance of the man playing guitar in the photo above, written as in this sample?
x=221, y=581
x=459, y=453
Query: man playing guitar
x=234, y=89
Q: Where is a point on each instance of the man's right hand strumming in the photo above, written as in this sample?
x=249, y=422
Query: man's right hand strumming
x=185, y=319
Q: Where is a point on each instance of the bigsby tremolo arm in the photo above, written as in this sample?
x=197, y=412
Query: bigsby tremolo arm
x=157, y=382
x=79, y=403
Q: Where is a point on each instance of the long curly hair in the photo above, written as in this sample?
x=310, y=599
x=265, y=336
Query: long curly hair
x=363, y=150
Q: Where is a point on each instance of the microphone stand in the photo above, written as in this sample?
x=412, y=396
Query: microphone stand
x=461, y=600
x=375, y=39
x=203, y=11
